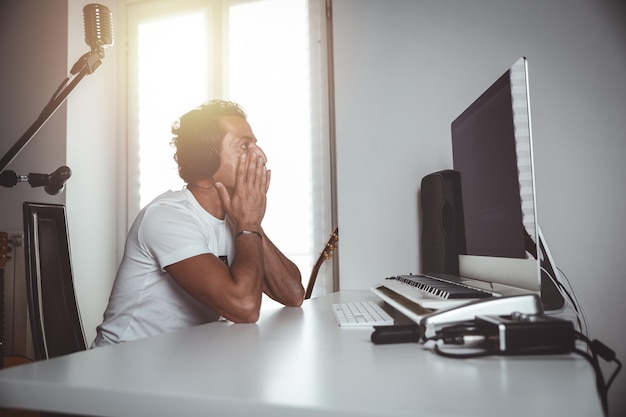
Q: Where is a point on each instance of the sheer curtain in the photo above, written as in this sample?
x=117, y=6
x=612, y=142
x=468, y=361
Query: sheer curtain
x=270, y=56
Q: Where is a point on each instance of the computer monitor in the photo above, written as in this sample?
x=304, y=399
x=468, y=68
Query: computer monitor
x=492, y=151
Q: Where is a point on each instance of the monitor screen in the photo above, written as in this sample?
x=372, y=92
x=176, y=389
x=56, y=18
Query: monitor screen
x=492, y=151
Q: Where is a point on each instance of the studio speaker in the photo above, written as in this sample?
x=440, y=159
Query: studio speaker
x=443, y=233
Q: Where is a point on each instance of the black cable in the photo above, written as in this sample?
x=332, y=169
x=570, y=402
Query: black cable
x=460, y=334
x=600, y=385
x=573, y=302
x=561, y=287
x=577, y=306
x=614, y=374
x=599, y=348
x=477, y=354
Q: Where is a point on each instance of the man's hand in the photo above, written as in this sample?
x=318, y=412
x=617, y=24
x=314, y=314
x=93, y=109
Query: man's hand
x=245, y=204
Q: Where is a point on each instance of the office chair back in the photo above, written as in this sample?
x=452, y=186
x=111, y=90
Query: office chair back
x=54, y=315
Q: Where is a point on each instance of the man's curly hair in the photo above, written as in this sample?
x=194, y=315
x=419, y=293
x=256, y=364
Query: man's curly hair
x=198, y=137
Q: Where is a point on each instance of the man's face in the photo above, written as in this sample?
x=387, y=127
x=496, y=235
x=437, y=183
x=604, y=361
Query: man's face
x=237, y=140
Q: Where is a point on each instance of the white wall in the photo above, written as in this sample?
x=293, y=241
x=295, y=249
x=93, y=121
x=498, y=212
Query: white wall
x=92, y=154
x=405, y=69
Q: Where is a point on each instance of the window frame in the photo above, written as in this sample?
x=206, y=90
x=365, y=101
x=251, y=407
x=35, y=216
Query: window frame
x=319, y=12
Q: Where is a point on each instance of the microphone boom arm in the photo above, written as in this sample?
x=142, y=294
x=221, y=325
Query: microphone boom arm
x=87, y=64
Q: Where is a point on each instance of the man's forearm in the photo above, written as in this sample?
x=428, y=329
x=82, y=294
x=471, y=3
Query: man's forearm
x=247, y=274
x=283, y=281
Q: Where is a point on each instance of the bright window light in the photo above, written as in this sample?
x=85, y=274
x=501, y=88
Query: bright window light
x=173, y=79
x=273, y=85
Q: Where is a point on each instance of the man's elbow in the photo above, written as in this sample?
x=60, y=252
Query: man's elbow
x=248, y=311
x=297, y=303
x=246, y=318
x=297, y=298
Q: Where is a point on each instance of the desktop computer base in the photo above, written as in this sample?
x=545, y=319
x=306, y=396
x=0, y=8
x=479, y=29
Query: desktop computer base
x=551, y=296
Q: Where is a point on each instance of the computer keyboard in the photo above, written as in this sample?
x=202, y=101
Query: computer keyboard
x=361, y=313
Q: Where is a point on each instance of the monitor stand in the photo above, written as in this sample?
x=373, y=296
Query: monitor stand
x=551, y=296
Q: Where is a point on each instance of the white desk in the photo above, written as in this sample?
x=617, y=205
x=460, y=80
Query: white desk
x=296, y=362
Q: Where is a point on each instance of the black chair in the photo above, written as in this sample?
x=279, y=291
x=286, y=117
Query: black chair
x=54, y=315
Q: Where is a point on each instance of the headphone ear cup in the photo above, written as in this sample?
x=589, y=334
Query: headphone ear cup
x=212, y=161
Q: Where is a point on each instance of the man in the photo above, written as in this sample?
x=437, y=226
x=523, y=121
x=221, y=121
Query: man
x=197, y=254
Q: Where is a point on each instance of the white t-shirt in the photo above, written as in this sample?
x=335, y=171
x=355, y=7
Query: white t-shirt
x=145, y=300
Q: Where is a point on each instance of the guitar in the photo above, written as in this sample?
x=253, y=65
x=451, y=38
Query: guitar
x=327, y=253
x=12, y=359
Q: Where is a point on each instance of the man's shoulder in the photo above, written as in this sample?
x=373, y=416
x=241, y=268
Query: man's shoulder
x=171, y=201
x=171, y=205
x=171, y=198
x=165, y=217
x=177, y=209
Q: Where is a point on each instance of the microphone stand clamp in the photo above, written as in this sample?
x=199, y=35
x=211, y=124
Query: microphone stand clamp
x=89, y=62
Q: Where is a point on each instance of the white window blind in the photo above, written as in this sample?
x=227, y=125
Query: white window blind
x=270, y=56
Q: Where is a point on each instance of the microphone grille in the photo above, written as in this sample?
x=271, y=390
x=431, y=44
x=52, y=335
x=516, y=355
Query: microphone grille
x=98, y=25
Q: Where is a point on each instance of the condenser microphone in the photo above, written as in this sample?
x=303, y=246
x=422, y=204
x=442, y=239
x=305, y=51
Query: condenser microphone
x=56, y=181
x=98, y=26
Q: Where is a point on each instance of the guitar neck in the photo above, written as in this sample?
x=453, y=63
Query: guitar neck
x=326, y=254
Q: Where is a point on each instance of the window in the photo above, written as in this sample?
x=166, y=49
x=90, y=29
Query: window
x=270, y=57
